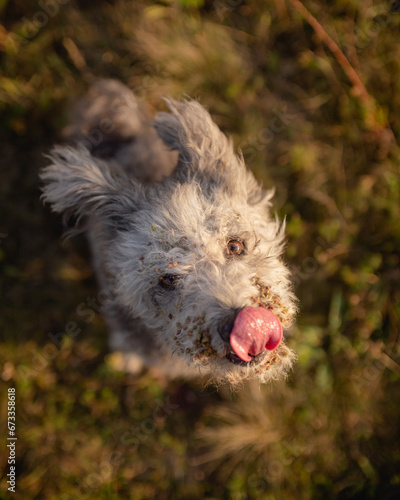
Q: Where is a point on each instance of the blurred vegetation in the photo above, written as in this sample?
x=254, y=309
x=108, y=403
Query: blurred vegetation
x=325, y=133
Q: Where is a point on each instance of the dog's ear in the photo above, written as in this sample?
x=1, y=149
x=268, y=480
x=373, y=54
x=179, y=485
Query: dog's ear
x=204, y=151
x=206, y=155
x=77, y=184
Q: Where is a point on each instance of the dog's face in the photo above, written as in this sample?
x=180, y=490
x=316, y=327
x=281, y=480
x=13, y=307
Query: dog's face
x=197, y=257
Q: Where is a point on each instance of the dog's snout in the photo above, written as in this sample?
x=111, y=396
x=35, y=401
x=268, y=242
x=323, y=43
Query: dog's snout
x=226, y=324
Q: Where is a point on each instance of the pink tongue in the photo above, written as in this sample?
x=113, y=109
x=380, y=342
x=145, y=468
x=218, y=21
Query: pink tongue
x=255, y=328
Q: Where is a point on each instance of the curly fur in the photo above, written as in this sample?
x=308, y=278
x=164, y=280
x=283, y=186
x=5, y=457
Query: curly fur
x=177, y=226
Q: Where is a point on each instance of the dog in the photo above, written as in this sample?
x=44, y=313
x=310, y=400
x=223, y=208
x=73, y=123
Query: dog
x=184, y=245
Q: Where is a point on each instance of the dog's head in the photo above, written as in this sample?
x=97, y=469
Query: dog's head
x=196, y=257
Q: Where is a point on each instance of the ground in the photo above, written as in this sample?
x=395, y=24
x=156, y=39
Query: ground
x=310, y=92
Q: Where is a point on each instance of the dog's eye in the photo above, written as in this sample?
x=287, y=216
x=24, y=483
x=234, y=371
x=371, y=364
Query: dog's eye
x=120, y=223
x=235, y=247
x=168, y=281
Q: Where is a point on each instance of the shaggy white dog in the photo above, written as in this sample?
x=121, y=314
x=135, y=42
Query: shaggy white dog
x=184, y=246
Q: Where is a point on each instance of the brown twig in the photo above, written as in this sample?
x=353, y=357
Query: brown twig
x=383, y=131
x=358, y=86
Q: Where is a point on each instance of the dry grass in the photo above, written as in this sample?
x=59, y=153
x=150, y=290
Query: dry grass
x=280, y=78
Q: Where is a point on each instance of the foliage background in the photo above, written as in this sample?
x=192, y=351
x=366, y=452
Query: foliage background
x=273, y=80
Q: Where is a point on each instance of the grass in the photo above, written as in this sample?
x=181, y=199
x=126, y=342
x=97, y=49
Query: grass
x=325, y=133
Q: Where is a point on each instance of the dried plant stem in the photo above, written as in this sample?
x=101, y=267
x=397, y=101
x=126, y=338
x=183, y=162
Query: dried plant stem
x=358, y=86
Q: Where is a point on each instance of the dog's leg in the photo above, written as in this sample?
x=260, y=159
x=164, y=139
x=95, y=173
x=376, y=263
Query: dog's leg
x=114, y=126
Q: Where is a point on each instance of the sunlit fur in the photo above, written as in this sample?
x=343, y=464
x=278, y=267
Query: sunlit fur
x=179, y=226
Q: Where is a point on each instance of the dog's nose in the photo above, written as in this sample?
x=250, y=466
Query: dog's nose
x=226, y=324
